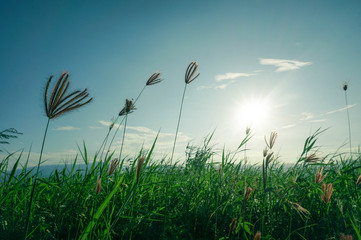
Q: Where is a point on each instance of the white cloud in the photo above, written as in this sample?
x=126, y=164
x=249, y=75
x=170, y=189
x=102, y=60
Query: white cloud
x=318, y=120
x=306, y=116
x=283, y=64
x=66, y=128
x=230, y=76
x=289, y=126
x=221, y=87
x=339, y=110
x=108, y=123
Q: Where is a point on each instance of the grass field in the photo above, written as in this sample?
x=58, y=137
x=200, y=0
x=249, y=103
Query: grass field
x=199, y=199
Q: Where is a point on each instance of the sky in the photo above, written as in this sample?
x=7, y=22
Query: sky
x=270, y=65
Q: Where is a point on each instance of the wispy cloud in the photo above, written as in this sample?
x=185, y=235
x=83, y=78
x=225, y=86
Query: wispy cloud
x=289, y=126
x=108, y=123
x=318, y=120
x=66, y=128
x=306, y=116
x=339, y=110
x=216, y=87
x=231, y=76
x=283, y=64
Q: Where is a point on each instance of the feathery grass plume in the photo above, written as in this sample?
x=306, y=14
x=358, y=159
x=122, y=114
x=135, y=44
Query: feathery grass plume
x=327, y=191
x=189, y=77
x=272, y=139
x=128, y=108
x=304, y=213
x=312, y=158
x=113, y=165
x=98, y=186
x=154, y=79
x=358, y=180
x=232, y=226
x=257, y=236
x=345, y=237
x=59, y=103
x=344, y=87
x=319, y=177
x=139, y=167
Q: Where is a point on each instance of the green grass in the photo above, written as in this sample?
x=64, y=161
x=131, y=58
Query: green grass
x=199, y=199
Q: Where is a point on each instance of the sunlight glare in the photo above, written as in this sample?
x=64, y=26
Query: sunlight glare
x=254, y=112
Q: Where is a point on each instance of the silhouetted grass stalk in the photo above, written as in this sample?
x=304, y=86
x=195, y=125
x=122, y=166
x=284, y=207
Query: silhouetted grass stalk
x=55, y=106
x=344, y=87
x=152, y=80
x=192, y=68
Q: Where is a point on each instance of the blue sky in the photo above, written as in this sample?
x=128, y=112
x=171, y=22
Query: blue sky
x=287, y=58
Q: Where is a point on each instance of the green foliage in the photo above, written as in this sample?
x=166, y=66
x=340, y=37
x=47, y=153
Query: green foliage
x=205, y=199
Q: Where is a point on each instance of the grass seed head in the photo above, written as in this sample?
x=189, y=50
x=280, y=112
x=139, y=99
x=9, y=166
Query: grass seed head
x=154, y=79
x=272, y=140
x=192, y=68
x=113, y=165
x=319, y=177
x=358, y=180
x=344, y=85
x=248, y=130
x=312, y=158
x=233, y=225
x=265, y=152
x=247, y=193
x=128, y=108
x=258, y=236
x=327, y=191
x=60, y=101
x=139, y=167
x=304, y=213
x=345, y=237
x=98, y=186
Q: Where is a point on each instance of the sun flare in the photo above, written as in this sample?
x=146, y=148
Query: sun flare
x=253, y=112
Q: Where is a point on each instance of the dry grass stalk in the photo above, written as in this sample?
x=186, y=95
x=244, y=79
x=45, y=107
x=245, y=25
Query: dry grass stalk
x=312, y=158
x=319, y=177
x=258, y=236
x=233, y=225
x=327, y=191
x=345, y=237
x=98, y=186
x=139, y=167
x=60, y=102
x=113, y=165
x=304, y=213
x=154, y=79
x=192, y=68
x=247, y=194
x=358, y=180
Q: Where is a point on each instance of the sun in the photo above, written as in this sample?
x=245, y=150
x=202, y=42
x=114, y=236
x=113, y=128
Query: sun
x=253, y=113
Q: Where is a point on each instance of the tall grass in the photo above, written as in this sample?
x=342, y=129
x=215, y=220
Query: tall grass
x=59, y=103
x=189, y=77
x=208, y=199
